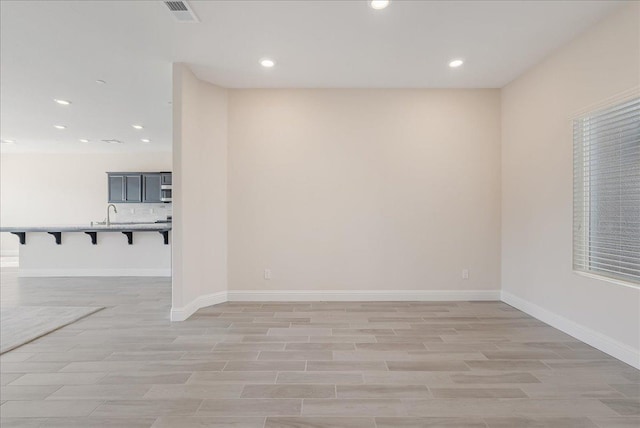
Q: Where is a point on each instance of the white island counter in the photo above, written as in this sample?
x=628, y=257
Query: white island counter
x=94, y=250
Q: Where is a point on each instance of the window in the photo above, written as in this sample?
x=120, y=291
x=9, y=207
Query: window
x=606, y=192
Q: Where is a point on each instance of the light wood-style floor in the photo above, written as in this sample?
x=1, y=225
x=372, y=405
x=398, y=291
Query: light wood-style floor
x=347, y=365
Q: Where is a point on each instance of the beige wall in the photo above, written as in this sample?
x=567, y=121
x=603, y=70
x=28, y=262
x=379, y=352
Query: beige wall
x=200, y=183
x=45, y=189
x=537, y=177
x=364, y=189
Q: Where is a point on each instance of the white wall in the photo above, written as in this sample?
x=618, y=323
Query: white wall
x=355, y=190
x=46, y=189
x=537, y=185
x=200, y=192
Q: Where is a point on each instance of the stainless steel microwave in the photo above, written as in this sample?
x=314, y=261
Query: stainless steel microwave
x=165, y=193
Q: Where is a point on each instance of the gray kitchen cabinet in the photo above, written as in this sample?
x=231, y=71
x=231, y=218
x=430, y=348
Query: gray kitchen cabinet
x=133, y=188
x=151, y=188
x=137, y=187
x=116, y=188
x=124, y=187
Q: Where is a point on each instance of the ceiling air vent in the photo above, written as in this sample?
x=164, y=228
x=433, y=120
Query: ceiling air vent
x=181, y=11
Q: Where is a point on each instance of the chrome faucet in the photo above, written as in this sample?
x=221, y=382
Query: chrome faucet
x=115, y=211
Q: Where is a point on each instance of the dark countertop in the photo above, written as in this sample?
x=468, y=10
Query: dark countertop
x=114, y=227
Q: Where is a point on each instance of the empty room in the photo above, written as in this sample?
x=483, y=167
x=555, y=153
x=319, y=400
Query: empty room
x=320, y=214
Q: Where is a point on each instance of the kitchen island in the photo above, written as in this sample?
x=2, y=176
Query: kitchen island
x=117, y=249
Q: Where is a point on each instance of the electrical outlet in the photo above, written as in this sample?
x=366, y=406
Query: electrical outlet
x=133, y=210
x=267, y=274
x=465, y=273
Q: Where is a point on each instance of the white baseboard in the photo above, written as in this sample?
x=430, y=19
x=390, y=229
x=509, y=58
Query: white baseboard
x=181, y=314
x=360, y=295
x=591, y=337
x=26, y=273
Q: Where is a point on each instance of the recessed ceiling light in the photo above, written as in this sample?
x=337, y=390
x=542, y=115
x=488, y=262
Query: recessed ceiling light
x=100, y=82
x=138, y=127
x=456, y=63
x=379, y=4
x=145, y=140
x=62, y=102
x=59, y=126
x=267, y=62
x=84, y=140
x=113, y=141
x=8, y=141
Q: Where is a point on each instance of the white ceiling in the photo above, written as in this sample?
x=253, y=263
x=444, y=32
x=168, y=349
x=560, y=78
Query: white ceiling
x=57, y=49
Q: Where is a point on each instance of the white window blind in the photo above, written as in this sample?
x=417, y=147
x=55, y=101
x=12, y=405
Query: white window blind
x=606, y=192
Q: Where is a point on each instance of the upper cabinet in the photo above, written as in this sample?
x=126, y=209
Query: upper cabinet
x=137, y=187
x=116, y=188
x=151, y=185
x=133, y=188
